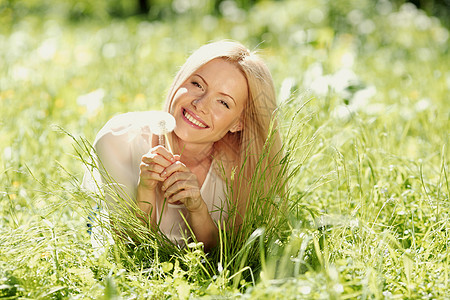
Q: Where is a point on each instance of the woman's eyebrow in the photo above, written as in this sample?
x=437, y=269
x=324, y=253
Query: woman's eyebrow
x=203, y=79
x=226, y=95
x=222, y=93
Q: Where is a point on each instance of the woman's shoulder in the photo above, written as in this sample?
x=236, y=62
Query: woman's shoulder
x=127, y=124
x=129, y=120
x=124, y=135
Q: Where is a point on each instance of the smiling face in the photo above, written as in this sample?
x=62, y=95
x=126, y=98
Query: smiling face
x=210, y=102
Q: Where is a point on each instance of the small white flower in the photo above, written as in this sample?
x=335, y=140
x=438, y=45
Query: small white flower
x=162, y=123
x=338, y=288
x=305, y=290
x=92, y=101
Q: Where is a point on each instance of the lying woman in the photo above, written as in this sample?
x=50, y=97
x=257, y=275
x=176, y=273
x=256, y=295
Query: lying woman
x=223, y=101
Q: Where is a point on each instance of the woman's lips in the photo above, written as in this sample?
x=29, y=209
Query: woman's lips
x=193, y=120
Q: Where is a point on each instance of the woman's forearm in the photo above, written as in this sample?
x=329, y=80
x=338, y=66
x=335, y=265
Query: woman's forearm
x=146, y=202
x=203, y=227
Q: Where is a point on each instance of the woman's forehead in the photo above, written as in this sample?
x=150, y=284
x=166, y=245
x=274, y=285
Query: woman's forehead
x=215, y=63
x=223, y=74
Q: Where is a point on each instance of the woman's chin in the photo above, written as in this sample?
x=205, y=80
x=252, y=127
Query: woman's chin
x=185, y=135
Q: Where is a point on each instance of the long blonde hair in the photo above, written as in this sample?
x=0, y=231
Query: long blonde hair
x=241, y=150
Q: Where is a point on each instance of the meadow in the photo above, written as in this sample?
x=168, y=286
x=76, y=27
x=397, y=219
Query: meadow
x=364, y=111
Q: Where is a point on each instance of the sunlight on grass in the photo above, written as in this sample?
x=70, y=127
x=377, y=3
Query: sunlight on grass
x=364, y=113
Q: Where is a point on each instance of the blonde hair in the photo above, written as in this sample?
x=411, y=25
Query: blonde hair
x=243, y=149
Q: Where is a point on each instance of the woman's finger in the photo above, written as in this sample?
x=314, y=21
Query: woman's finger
x=191, y=199
x=149, y=179
x=156, y=159
x=181, y=196
x=149, y=175
x=178, y=177
x=179, y=186
x=153, y=167
x=163, y=152
x=177, y=166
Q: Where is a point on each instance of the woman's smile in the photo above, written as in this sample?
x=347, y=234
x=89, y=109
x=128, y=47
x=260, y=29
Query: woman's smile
x=192, y=119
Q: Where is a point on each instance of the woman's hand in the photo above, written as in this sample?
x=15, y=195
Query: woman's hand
x=152, y=165
x=181, y=186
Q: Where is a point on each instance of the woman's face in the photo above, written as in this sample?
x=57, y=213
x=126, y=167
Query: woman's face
x=210, y=102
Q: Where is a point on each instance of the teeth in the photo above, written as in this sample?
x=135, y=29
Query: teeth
x=193, y=120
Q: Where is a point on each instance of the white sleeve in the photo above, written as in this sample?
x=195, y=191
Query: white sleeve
x=119, y=147
x=114, y=155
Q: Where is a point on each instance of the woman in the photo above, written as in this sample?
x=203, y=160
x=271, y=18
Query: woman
x=222, y=100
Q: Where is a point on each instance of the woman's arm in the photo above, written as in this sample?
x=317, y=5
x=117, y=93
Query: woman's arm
x=182, y=186
x=113, y=153
x=203, y=226
x=146, y=202
x=152, y=165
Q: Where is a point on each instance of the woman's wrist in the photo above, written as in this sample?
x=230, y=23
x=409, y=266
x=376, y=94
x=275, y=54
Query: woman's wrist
x=200, y=209
x=143, y=188
x=144, y=197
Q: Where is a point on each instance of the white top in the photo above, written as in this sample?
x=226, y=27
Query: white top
x=120, y=145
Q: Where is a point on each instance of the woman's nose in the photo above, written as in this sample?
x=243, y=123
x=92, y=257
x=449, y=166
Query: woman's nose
x=201, y=104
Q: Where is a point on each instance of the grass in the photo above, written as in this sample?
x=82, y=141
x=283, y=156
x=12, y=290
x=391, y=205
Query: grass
x=363, y=92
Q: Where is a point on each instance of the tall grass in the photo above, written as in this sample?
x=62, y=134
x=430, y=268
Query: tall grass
x=366, y=156
x=120, y=230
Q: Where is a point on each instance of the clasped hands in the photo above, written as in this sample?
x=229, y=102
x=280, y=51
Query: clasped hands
x=179, y=184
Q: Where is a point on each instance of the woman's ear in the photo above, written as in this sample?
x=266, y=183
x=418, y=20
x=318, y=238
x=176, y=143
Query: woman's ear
x=236, y=127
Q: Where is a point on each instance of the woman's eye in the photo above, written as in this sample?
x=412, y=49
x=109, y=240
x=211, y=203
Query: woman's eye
x=224, y=103
x=197, y=84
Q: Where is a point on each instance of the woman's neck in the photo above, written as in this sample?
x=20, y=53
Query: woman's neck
x=194, y=154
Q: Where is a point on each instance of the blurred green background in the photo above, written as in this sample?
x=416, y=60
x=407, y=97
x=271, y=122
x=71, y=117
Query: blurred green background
x=374, y=79
x=159, y=9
